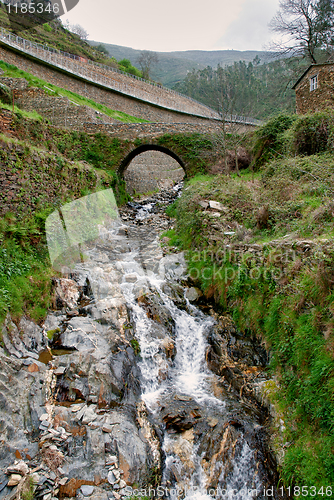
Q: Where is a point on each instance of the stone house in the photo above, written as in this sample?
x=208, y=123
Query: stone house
x=315, y=89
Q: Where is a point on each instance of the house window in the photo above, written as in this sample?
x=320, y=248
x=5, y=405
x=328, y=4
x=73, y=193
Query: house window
x=313, y=82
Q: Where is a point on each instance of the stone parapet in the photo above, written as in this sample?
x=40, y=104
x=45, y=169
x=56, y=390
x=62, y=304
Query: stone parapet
x=114, y=100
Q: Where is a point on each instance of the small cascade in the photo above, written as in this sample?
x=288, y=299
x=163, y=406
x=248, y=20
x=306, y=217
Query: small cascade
x=183, y=380
x=210, y=433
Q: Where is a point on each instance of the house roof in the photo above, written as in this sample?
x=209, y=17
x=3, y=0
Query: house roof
x=308, y=69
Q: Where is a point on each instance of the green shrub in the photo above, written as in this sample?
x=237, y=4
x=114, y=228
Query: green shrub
x=47, y=28
x=25, y=270
x=314, y=133
x=125, y=65
x=269, y=140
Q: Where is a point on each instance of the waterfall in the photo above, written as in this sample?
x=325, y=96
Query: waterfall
x=207, y=438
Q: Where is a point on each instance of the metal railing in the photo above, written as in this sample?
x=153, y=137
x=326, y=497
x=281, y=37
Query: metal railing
x=117, y=80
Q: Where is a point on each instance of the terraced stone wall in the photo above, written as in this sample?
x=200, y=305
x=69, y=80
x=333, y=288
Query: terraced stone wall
x=112, y=99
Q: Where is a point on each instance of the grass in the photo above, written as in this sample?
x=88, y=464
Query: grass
x=25, y=269
x=14, y=72
x=32, y=115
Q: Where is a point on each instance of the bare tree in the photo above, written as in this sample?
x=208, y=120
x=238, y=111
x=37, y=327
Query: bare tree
x=146, y=60
x=233, y=130
x=77, y=29
x=306, y=26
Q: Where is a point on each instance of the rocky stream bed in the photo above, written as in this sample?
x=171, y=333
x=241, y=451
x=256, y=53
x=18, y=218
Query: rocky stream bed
x=134, y=385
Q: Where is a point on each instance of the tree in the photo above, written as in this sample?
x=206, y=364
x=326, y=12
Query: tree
x=146, y=60
x=77, y=29
x=325, y=10
x=306, y=26
x=102, y=48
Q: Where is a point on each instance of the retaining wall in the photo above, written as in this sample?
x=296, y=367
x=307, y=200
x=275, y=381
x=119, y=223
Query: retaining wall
x=110, y=98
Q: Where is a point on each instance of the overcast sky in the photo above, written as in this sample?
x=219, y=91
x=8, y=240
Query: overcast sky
x=177, y=24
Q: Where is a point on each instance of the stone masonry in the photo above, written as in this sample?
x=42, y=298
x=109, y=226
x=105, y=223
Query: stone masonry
x=109, y=98
x=60, y=111
x=322, y=97
x=150, y=171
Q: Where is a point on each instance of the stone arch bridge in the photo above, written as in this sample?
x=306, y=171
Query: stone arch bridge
x=195, y=148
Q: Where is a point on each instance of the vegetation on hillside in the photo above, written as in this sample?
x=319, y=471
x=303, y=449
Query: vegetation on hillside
x=55, y=35
x=173, y=67
x=285, y=296
x=253, y=89
x=125, y=65
x=25, y=269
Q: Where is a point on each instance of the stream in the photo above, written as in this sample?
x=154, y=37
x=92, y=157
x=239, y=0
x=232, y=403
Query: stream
x=211, y=435
x=134, y=386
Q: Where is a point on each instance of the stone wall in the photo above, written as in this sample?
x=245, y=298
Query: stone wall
x=193, y=148
x=29, y=179
x=109, y=98
x=14, y=83
x=132, y=131
x=308, y=101
x=6, y=119
x=150, y=171
x=60, y=111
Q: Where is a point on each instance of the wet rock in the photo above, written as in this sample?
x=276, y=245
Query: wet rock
x=224, y=338
x=180, y=414
x=217, y=450
x=157, y=311
x=67, y=293
x=131, y=278
x=169, y=347
x=193, y=294
x=173, y=267
x=175, y=292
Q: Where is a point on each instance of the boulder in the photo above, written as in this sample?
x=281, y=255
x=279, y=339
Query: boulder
x=86, y=490
x=180, y=413
x=67, y=293
x=157, y=311
x=216, y=205
x=193, y=294
x=175, y=292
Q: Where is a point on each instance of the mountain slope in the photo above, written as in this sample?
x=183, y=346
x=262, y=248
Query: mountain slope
x=174, y=66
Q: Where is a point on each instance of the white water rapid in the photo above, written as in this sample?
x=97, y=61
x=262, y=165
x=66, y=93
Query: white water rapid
x=127, y=266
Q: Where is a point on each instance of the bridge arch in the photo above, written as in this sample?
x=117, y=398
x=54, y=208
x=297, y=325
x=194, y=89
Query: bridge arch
x=148, y=147
x=149, y=167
